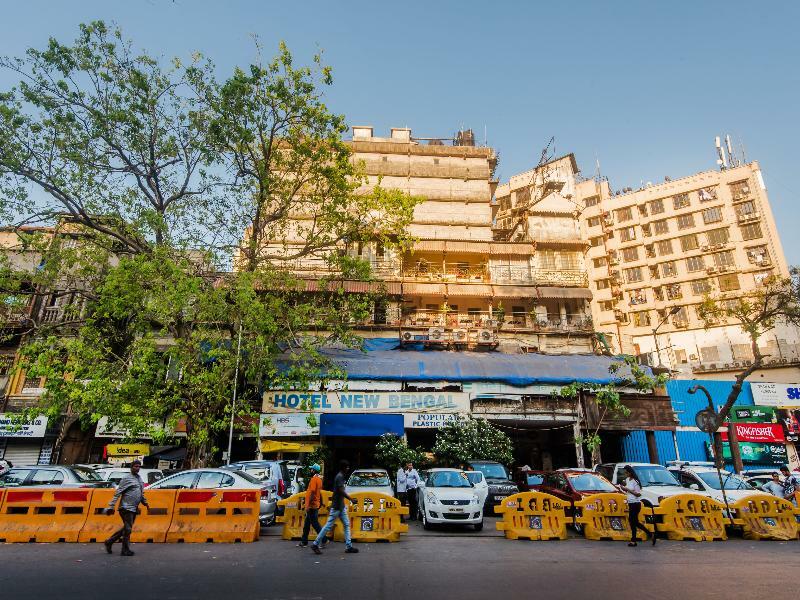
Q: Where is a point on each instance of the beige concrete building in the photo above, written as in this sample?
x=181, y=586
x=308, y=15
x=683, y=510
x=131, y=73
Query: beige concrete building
x=655, y=252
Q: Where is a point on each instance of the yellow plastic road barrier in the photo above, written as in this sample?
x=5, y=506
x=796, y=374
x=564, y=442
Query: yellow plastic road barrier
x=765, y=517
x=39, y=514
x=215, y=515
x=294, y=514
x=532, y=516
x=692, y=517
x=604, y=517
x=374, y=517
x=151, y=524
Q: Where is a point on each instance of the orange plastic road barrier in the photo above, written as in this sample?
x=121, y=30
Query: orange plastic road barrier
x=151, y=524
x=294, y=514
x=215, y=515
x=692, y=517
x=604, y=517
x=374, y=517
x=765, y=517
x=532, y=516
x=39, y=514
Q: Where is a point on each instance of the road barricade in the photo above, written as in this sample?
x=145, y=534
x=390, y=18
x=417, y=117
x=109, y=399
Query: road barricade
x=692, y=517
x=374, y=517
x=151, y=523
x=765, y=517
x=294, y=514
x=532, y=516
x=604, y=517
x=38, y=514
x=215, y=515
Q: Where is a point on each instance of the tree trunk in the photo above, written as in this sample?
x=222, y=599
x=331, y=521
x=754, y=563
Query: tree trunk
x=719, y=459
x=733, y=442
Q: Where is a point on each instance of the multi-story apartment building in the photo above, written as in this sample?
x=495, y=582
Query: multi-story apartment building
x=655, y=252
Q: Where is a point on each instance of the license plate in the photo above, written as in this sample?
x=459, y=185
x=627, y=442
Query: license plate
x=452, y=510
x=616, y=524
x=770, y=521
x=696, y=523
x=500, y=498
x=536, y=522
x=367, y=523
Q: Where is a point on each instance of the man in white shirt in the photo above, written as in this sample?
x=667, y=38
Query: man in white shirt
x=411, y=480
x=401, y=487
x=774, y=487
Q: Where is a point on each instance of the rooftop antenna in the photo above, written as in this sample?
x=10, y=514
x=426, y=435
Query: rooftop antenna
x=734, y=160
x=741, y=145
x=485, y=136
x=722, y=161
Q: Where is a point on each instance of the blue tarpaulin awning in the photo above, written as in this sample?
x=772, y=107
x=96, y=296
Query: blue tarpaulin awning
x=361, y=425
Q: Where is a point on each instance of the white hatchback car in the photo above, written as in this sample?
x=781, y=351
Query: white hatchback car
x=369, y=480
x=477, y=479
x=447, y=496
x=705, y=480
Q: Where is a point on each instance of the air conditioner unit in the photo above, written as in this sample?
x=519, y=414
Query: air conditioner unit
x=460, y=336
x=736, y=364
x=486, y=336
x=727, y=365
x=783, y=361
x=712, y=366
x=436, y=334
x=701, y=367
x=705, y=248
x=747, y=363
x=711, y=270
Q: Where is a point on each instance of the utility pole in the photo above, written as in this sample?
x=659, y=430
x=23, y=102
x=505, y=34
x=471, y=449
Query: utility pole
x=235, y=389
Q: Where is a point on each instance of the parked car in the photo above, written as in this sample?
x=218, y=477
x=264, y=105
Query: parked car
x=369, y=480
x=498, y=480
x=657, y=482
x=705, y=480
x=297, y=483
x=758, y=481
x=571, y=486
x=447, y=496
x=528, y=480
x=477, y=479
x=203, y=479
x=115, y=474
x=275, y=473
x=62, y=476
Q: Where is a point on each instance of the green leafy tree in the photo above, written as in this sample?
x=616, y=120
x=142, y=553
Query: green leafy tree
x=392, y=452
x=468, y=439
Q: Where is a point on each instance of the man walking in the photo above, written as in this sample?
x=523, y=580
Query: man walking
x=313, y=504
x=412, y=483
x=338, y=511
x=774, y=487
x=130, y=491
x=791, y=484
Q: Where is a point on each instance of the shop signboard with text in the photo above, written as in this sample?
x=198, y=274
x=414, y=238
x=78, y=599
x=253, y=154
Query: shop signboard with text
x=751, y=452
x=776, y=394
x=429, y=420
x=11, y=427
x=768, y=433
x=366, y=402
x=289, y=425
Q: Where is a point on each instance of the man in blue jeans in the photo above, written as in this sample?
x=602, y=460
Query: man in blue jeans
x=338, y=511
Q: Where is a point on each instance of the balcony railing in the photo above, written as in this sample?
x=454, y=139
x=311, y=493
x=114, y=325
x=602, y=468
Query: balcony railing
x=522, y=275
x=450, y=320
x=431, y=272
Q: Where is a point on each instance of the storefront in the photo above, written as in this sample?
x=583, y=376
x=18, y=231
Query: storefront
x=25, y=443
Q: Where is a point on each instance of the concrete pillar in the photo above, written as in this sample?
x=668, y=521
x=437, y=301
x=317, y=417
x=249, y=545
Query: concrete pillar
x=652, y=448
x=576, y=432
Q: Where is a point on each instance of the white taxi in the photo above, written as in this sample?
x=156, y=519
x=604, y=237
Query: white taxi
x=448, y=496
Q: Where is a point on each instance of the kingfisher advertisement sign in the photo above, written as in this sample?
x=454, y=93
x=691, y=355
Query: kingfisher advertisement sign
x=758, y=432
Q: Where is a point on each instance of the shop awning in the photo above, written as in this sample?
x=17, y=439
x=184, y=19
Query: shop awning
x=280, y=446
x=475, y=247
x=168, y=453
x=361, y=425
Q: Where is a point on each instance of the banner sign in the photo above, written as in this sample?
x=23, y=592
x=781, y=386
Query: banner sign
x=776, y=394
x=366, y=402
x=11, y=428
x=128, y=449
x=289, y=425
x=754, y=414
x=757, y=432
x=428, y=420
x=771, y=454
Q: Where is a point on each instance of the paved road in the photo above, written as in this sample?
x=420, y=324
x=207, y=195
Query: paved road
x=444, y=564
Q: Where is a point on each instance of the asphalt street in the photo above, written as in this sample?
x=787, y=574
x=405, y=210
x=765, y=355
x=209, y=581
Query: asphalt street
x=447, y=563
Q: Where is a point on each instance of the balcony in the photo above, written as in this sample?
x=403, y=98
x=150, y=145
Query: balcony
x=497, y=321
x=748, y=218
x=448, y=272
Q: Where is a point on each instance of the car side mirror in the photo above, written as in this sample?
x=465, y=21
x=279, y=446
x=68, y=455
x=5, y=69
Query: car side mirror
x=694, y=486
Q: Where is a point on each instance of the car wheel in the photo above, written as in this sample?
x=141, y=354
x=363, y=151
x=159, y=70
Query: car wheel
x=479, y=526
x=426, y=525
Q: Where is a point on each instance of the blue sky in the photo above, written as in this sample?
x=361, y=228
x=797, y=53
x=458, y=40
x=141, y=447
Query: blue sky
x=641, y=86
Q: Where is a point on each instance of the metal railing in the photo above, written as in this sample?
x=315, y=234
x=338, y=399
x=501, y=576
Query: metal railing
x=449, y=320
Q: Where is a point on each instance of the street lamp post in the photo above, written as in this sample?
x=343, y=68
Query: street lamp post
x=716, y=442
x=673, y=311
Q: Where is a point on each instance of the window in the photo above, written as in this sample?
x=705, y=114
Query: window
x=680, y=356
x=709, y=353
x=643, y=210
x=547, y=259
x=729, y=283
x=740, y=190
x=646, y=230
x=707, y=194
x=650, y=250
x=701, y=287
x=641, y=319
x=680, y=201
x=669, y=269
x=181, y=481
x=15, y=477
x=633, y=275
x=664, y=247
x=593, y=221
x=751, y=231
x=689, y=242
x=718, y=236
x=602, y=261
x=596, y=241
x=757, y=255
x=695, y=263
x=656, y=207
x=760, y=278
x=658, y=293
x=213, y=479
x=653, y=271
x=610, y=234
x=627, y=234
x=745, y=209
x=607, y=305
x=637, y=297
x=742, y=352
x=603, y=284
x=624, y=214
x=712, y=215
x=685, y=221
x=630, y=254
x=723, y=259
x=380, y=251
x=47, y=477
x=681, y=317
x=660, y=227
x=568, y=261
x=593, y=201
x=673, y=291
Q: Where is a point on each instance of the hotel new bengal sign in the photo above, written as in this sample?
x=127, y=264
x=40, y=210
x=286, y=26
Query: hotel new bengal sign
x=366, y=402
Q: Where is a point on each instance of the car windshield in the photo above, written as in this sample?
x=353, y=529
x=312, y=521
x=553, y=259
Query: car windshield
x=654, y=476
x=369, y=479
x=587, y=482
x=534, y=478
x=729, y=480
x=248, y=477
x=475, y=477
x=452, y=479
x=491, y=470
x=84, y=474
